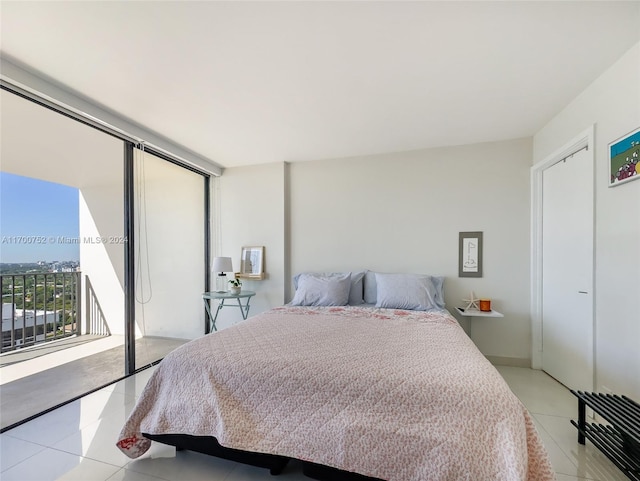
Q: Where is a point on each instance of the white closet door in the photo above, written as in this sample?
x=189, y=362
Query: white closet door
x=567, y=271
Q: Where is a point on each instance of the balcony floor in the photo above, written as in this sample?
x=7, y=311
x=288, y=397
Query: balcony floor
x=20, y=355
x=46, y=380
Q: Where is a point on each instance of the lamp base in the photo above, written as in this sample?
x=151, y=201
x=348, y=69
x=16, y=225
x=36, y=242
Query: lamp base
x=221, y=282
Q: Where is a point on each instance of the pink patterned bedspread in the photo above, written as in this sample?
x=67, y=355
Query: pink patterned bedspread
x=392, y=394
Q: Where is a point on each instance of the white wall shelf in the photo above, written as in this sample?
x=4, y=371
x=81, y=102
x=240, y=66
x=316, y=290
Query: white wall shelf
x=478, y=313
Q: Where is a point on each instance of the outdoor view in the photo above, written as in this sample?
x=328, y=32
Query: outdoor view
x=39, y=260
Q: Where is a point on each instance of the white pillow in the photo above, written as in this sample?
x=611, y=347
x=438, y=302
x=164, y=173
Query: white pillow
x=319, y=290
x=405, y=291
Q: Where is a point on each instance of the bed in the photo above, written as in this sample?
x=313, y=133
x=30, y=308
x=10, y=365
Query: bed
x=353, y=391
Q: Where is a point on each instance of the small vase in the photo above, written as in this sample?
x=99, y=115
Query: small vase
x=235, y=289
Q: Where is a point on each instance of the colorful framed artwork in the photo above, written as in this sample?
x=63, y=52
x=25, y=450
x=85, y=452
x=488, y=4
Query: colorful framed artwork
x=624, y=159
x=470, y=254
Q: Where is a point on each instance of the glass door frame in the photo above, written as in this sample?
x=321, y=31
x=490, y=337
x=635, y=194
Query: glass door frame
x=129, y=217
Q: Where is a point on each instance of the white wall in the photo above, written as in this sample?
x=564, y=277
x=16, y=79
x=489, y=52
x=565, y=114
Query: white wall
x=101, y=207
x=402, y=212
x=612, y=103
x=399, y=212
x=250, y=204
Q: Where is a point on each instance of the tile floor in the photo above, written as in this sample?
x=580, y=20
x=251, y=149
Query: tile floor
x=76, y=441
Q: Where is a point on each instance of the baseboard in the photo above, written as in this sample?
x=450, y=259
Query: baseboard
x=509, y=361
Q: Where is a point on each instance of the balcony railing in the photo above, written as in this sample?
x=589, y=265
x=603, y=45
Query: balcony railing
x=39, y=307
x=96, y=323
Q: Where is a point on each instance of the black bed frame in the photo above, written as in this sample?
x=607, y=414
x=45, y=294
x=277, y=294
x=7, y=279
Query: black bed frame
x=275, y=464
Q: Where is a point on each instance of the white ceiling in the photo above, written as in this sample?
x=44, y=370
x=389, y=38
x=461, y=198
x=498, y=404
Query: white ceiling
x=253, y=82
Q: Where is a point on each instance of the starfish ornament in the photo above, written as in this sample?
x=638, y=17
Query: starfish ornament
x=472, y=302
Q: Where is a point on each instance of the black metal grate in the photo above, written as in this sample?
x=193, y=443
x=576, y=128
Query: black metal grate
x=620, y=441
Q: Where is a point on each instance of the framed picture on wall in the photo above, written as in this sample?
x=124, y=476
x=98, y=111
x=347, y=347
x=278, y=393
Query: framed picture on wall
x=470, y=254
x=252, y=263
x=624, y=159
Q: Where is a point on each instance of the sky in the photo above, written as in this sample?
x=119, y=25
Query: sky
x=33, y=214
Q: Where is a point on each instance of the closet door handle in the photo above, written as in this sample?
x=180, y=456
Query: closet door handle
x=583, y=292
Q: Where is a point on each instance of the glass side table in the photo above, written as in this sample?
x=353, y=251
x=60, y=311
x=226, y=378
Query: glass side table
x=221, y=297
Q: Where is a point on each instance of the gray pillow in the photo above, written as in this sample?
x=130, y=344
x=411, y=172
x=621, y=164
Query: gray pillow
x=438, y=285
x=370, y=288
x=319, y=290
x=356, y=294
x=405, y=291
x=357, y=283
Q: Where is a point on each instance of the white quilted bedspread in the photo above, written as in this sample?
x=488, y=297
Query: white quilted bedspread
x=392, y=394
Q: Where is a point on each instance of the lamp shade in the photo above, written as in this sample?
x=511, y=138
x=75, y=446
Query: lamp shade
x=222, y=264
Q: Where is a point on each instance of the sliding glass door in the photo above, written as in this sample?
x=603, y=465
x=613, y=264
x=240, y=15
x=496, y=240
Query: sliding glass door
x=62, y=258
x=170, y=219
x=137, y=233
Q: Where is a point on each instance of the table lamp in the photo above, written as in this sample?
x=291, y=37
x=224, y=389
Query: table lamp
x=221, y=265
